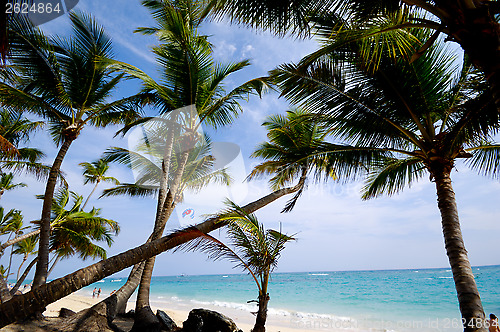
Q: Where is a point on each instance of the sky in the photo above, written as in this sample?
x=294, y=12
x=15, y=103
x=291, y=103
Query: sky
x=335, y=229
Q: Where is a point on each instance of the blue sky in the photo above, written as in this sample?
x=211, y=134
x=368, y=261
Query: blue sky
x=335, y=229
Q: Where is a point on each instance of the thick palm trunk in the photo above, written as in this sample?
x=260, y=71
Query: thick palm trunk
x=24, y=305
x=145, y=320
x=43, y=244
x=23, y=276
x=467, y=292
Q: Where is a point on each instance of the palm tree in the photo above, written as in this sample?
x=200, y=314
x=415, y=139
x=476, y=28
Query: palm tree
x=94, y=172
x=12, y=224
x=190, y=92
x=74, y=230
x=61, y=80
x=26, y=247
x=6, y=183
x=421, y=117
x=473, y=24
x=252, y=247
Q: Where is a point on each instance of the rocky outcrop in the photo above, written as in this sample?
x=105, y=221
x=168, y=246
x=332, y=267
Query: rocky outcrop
x=203, y=320
x=165, y=320
x=65, y=313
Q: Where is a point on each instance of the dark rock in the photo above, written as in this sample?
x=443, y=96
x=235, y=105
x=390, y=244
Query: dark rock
x=194, y=323
x=129, y=314
x=166, y=321
x=203, y=320
x=65, y=313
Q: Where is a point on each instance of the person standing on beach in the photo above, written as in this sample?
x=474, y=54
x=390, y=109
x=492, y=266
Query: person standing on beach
x=99, y=292
x=94, y=292
x=493, y=324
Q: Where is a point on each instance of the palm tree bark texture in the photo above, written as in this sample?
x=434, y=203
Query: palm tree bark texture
x=465, y=284
x=43, y=252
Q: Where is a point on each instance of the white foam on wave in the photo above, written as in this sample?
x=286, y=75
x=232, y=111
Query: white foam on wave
x=445, y=277
x=297, y=315
x=101, y=281
x=318, y=274
x=116, y=280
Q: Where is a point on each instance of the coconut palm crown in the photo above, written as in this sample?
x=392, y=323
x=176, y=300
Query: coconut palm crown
x=63, y=81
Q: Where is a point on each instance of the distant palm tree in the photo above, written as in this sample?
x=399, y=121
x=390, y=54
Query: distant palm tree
x=252, y=247
x=25, y=247
x=11, y=223
x=61, y=80
x=94, y=172
x=74, y=230
x=421, y=117
x=6, y=183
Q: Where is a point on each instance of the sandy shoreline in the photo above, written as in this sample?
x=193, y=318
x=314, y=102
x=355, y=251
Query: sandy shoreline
x=81, y=300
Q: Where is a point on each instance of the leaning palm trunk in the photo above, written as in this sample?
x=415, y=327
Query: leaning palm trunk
x=467, y=292
x=116, y=303
x=22, y=306
x=17, y=239
x=43, y=245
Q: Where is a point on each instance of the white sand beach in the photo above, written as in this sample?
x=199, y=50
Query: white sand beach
x=81, y=300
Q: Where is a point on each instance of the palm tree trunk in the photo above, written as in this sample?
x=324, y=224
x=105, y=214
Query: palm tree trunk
x=23, y=276
x=87, y=200
x=53, y=265
x=114, y=304
x=20, y=307
x=21, y=266
x=260, y=321
x=4, y=291
x=43, y=244
x=145, y=320
x=18, y=239
x=467, y=292
x=10, y=260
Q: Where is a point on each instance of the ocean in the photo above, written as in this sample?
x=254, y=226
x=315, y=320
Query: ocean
x=389, y=300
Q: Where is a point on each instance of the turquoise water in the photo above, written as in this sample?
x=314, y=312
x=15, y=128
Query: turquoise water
x=366, y=298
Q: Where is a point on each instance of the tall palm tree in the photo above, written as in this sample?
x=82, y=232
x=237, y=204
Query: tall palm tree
x=473, y=24
x=62, y=81
x=421, y=117
x=6, y=183
x=252, y=247
x=95, y=172
x=191, y=91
